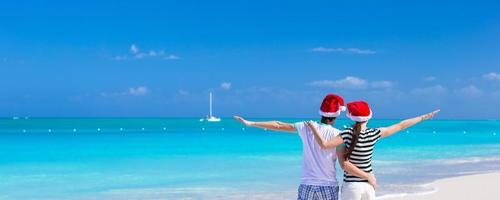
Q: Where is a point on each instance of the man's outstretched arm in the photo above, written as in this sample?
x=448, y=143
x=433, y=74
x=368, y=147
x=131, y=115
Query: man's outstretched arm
x=272, y=125
x=352, y=169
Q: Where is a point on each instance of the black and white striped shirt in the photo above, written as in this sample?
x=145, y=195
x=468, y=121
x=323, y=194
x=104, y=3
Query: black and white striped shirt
x=361, y=156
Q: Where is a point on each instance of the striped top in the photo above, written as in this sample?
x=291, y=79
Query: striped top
x=361, y=156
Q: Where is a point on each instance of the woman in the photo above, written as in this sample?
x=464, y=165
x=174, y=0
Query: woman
x=359, y=141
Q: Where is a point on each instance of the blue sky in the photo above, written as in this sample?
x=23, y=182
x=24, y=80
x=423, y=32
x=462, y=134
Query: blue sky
x=260, y=58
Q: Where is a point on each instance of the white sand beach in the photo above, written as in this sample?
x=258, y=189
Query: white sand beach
x=471, y=187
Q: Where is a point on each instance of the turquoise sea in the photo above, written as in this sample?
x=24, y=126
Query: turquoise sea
x=167, y=158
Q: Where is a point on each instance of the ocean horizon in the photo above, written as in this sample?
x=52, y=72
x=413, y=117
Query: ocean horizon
x=183, y=158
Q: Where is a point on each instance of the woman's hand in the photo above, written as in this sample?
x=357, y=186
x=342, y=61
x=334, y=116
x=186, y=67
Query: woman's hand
x=372, y=181
x=388, y=131
x=429, y=115
x=244, y=121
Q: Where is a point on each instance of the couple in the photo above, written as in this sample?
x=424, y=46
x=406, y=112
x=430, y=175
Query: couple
x=322, y=144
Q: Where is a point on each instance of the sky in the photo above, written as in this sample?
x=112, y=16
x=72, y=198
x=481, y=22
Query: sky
x=259, y=58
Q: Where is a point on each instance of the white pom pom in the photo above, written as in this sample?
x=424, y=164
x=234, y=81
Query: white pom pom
x=342, y=108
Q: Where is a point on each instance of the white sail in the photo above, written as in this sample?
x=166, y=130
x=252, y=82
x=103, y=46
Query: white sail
x=210, y=104
x=211, y=117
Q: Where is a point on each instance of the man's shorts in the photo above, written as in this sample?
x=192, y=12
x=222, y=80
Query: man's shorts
x=316, y=192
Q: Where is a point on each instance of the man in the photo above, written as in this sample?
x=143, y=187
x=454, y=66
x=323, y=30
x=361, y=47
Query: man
x=318, y=180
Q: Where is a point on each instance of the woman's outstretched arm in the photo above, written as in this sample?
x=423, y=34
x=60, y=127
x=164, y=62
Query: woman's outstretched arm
x=388, y=131
x=324, y=144
x=272, y=125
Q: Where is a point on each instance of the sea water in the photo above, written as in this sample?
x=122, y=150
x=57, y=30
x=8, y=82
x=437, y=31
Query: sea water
x=166, y=158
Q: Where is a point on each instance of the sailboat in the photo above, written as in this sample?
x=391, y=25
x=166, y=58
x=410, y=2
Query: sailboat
x=210, y=117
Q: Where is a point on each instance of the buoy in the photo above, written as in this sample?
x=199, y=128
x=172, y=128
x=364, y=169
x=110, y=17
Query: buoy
x=243, y=129
x=433, y=131
x=494, y=133
x=265, y=129
x=98, y=129
x=465, y=132
x=24, y=130
x=164, y=128
x=142, y=129
x=74, y=130
x=50, y=130
x=121, y=129
x=407, y=131
x=203, y=129
x=222, y=128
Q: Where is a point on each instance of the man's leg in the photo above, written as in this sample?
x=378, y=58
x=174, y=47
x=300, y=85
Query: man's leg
x=328, y=192
x=305, y=192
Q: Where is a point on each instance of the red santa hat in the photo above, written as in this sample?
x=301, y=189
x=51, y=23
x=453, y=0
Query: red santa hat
x=332, y=106
x=359, y=111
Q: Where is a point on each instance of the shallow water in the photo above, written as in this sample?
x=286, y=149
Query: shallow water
x=165, y=158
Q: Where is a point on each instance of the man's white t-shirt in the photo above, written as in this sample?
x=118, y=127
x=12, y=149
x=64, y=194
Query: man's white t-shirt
x=318, y=166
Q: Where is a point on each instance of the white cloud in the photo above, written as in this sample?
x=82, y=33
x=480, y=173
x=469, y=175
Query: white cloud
x=134, y=49
x=432, y=90
x=120, y=58
x=383, y=84
x=469, y=91
x=133, y=91
x=171, y=57
x=153, y=53
x=140, y=55
x=136, y=53
x=344, y=50
x=492, y=76
x=429, y=78
x=352, y=82
x=150, y=53
x=138, y=91
x=225, y=85
x=105, y=94
x=349, y=82
x=12, y=61
x=328, y=83
x=323, y=50
x=183, y=92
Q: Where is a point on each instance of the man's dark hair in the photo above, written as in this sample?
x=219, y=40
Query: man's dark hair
x=327, y=120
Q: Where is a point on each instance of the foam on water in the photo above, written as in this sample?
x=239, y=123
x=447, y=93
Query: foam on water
x=400, y=195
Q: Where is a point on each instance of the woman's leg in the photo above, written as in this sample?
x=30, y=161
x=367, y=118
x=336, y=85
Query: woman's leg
x=369, y=192
x=351, y=191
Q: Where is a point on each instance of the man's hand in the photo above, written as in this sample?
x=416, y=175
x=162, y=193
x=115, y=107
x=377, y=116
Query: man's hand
x=271, y=125
x=242, y=120
x=373, y=181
